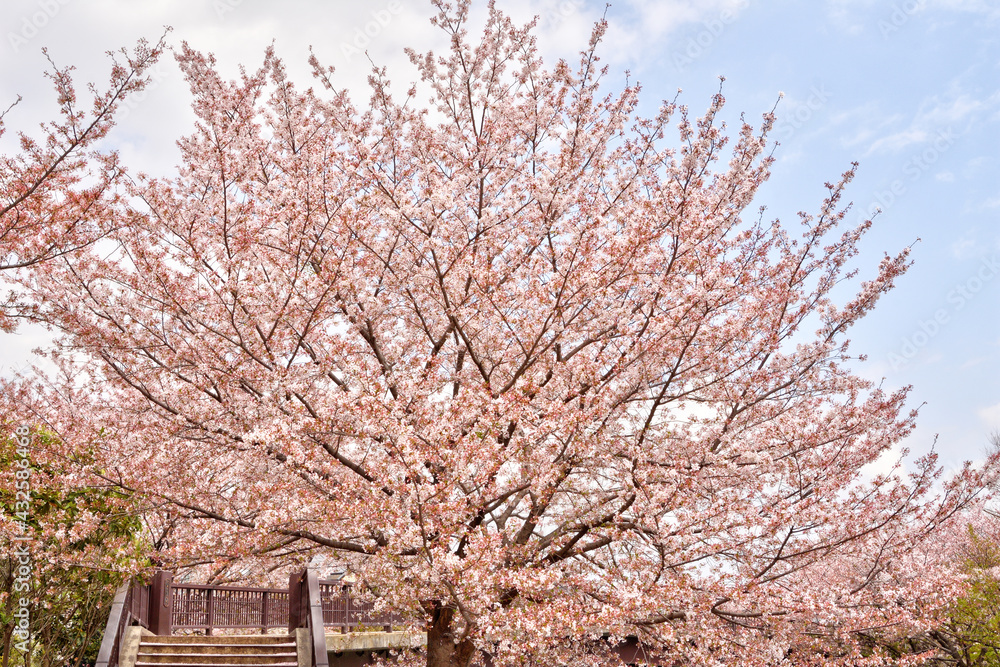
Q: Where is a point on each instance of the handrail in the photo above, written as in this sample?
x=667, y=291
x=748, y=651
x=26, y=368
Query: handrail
x=108, y=655
x=131, y=603
x=315, y=618
x=244, y=589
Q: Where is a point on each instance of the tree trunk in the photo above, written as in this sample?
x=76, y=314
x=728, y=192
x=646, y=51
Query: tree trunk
x=8, y=630
x=443, y=650
x=7, y=635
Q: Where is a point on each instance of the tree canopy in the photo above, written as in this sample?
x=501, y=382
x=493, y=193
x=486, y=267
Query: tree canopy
x=536, y=372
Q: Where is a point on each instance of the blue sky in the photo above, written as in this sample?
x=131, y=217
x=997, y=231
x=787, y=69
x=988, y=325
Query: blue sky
x=910, y=89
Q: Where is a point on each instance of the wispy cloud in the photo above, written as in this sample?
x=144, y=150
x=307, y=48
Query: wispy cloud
x=987, y=7
x=967, y=245
x=991, y=415
x=955, y=110
x=888, y=18
x=649, y=21
x=863, y=123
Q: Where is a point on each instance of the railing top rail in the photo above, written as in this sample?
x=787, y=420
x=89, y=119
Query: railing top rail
x=244, y=589
x=255, y=589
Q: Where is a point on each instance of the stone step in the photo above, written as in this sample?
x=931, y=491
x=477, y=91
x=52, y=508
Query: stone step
x=218, y=639
x=229, y=661
x=191, y=647
x=217, y=651
x=215, y=656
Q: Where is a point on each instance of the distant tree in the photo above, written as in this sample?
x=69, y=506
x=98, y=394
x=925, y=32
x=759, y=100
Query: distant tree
x=82, y=542
x=970, y=636
x=969, y=633
x=534, y=373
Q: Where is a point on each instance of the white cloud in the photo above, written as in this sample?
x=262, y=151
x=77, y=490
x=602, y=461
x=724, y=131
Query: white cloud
x=863, y=122
x=978, y=361
x=967, y=245
x=991, y=415
x=645, y=22
x=954, y=112
x=844, y=10
x=986, y=7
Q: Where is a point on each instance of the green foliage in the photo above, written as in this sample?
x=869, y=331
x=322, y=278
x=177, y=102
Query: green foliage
x=84, y=541
x=971, y=635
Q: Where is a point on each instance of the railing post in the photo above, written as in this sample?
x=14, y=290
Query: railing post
x=161, y=603
x=295, y=619
x=265, y=598
x=209, y=611
x=304, y=610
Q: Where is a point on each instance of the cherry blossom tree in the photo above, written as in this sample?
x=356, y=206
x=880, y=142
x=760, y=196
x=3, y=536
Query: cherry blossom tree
x=53, y=191
x=540, y=375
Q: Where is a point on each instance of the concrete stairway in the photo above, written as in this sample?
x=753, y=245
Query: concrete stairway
x=200, y=651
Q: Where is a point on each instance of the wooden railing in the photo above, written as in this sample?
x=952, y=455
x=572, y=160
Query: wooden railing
x=130, y=607
x=210, y=608
x=198, y=607
x=342, y=611
x=163, y=607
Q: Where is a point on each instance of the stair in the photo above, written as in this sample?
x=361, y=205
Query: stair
x=199, y=651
